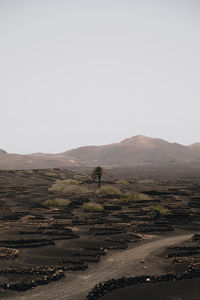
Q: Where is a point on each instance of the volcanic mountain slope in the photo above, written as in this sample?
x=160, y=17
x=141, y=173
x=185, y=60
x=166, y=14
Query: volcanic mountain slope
x=35, y=161
x=195, y=146
x=2, y=151
x=136, y=150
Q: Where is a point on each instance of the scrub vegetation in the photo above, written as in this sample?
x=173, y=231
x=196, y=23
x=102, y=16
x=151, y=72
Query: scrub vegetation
x=134, y=197
x=71, y=186
x=157, y=211
x=57, y=202
x=92, y=207
x=107, y=190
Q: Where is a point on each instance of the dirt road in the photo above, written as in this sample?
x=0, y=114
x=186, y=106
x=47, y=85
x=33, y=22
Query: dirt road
x=128, y=262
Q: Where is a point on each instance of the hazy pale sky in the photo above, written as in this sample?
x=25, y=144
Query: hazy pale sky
x=79, y=72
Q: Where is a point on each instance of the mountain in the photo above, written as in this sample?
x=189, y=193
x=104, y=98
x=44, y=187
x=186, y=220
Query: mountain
x=195, y=146
x=135, y=151
x=2, y=151
x=35, y=161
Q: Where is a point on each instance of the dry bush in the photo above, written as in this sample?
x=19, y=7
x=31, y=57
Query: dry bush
x=122, y=181
x=92, y=207
x=57, y=202
x=71, y=186
x=107, y=190
x=134, y=197
x=29, y=171
x=80, y=176
x=157, y=211
x=72, y=181
x=51, y=174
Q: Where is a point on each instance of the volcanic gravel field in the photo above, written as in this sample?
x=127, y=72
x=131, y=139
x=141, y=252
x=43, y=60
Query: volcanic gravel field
x=120, y=253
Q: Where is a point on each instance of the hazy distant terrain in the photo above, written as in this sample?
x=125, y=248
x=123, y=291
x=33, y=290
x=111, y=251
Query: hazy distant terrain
x=136, y=151
x=35, y=161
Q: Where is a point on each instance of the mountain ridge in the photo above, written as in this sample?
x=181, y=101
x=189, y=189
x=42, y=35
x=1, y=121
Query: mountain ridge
x=136, y=150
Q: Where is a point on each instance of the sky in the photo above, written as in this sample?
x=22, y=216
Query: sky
x=93, y=72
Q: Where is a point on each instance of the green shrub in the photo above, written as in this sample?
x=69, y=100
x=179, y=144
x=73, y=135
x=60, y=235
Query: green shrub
x=122, y=181
x=157, y=211
x=71, y=186
x=92, y=207
x=57, y=202
x=107, y=190
x=134, y=197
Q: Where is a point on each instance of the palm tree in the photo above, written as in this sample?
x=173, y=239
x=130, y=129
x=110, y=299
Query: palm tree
x=97, y=173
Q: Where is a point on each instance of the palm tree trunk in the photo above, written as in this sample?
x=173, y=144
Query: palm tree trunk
x=99, y=181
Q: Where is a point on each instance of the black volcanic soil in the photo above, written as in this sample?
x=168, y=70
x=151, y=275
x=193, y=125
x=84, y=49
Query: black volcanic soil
x=183, y=290
x=40, y=245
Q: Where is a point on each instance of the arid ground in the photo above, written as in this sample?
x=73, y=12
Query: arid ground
x=139, y=239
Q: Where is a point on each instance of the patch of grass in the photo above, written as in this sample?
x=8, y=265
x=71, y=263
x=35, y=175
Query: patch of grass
x=29, y=171
x=107, y=190
x=58, y=202
x=72, y=181
x=51, y=174
x=70, y=186
x=92, y=207
x=80, y=177
x=122, y=181
x=131, y=198
x=157, y=211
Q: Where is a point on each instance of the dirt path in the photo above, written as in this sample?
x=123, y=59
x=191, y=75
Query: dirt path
x=128, y=262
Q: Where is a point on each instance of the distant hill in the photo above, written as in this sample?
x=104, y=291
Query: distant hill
x=35, y=161
x=195, y=146
x=2, y=151
x=135, y=151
